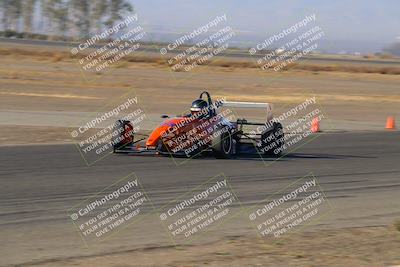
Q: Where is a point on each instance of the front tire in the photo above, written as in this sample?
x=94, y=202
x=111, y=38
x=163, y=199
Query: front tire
x=161, y=148
x=222, y=145
x=125, y=137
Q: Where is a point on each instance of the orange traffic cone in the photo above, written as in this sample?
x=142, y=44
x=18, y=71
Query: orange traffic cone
x=315, y=126
x=390, y=123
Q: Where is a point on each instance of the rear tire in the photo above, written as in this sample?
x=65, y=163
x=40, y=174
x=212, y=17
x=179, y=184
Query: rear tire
x=222, y=145
x=272, y=142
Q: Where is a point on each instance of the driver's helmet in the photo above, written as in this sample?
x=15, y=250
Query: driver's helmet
x=197, y=106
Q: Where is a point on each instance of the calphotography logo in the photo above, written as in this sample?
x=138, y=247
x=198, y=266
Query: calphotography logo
x=281, y=50
x=111, y=210
x=291, y=208
x=196, y=133
x=115, y=128
x=200, y=46
x=101, y=51
x=193, y=214
x=298, y=124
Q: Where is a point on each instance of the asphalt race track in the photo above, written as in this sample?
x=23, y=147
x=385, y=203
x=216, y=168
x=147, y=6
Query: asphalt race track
x=359, y=173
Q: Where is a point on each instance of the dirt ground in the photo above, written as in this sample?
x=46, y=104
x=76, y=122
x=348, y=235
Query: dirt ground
x=368, y=246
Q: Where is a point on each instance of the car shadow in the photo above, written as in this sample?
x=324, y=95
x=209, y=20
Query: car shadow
x=325, y=156
x=260, y=157
x=287, y=157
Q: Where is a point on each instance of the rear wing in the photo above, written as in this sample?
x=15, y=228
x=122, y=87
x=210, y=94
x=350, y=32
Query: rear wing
x=235, y=104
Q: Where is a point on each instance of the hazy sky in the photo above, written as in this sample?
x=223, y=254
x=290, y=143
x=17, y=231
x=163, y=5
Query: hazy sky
x=370, y=21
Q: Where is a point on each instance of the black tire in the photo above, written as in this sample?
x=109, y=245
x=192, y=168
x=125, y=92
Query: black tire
x=161, y=148
x=272, y=142
x=120, y=140
x=222, y=145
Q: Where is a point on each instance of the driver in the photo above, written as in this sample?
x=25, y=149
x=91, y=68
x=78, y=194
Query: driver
x=199, y=108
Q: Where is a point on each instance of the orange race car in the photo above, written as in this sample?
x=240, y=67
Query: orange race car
x=209, y=128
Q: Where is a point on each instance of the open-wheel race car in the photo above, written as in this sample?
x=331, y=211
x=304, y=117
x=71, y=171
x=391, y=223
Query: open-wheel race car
x=207, y=129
